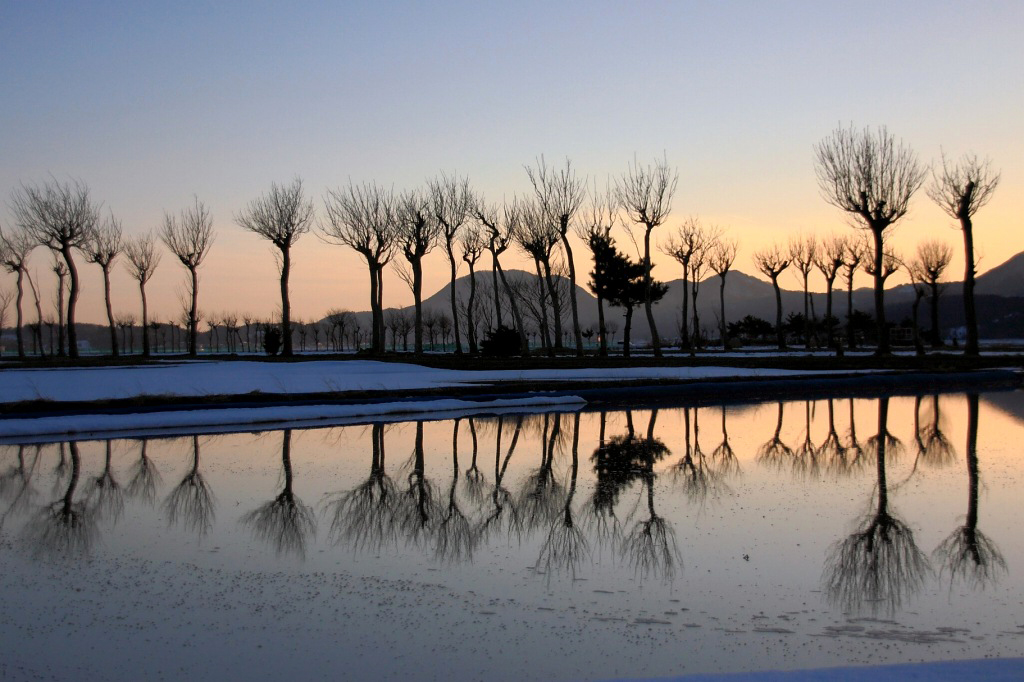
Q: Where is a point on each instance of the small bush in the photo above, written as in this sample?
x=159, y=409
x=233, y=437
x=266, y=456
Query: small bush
x=272, y=340
x=502, y=342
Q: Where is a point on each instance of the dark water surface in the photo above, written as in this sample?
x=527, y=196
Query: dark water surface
x=551, y=546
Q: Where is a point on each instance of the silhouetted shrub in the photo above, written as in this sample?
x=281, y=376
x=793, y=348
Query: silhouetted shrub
x=272, y=340
x=502, y=342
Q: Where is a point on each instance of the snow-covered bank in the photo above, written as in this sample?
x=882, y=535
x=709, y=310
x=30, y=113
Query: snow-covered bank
x=998, y=670
x=207, y=420
x=239, y=377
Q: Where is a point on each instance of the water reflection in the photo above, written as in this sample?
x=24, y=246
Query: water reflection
x=968, y=555
x=455, y=535
x=364, y=517
x=285, y=522
x=774, y=452
x=879, y=565
x=145, y=477
x=566, y=546
x=106, y=494
x=192, y=503
x=65, y=527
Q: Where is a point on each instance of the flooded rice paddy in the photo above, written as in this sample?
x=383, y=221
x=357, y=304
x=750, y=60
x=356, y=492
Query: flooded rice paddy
x=584, y=545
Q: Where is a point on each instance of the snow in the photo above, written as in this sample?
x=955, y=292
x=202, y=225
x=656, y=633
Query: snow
x=239, y=377
x=148, y=423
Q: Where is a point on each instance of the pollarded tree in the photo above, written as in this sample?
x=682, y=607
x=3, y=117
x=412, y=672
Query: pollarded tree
x=682, y=246
x=646, y=192
x=502, y=226
x=829, y=260
x=537, y=237
x=773, y=262
x=62, y=217
x=142, y=261
x=872, y=177
x=803, y=250
x=595, y=229
x=189, y=237
x=452, y=203
x=103, y=248
x=472, y=241
x=281, y=216
x=721, y=260
x=934, y=257
x=854, y=252
x=560, y=194
x=363, y=219
x=14, y=251
x=961, y=189
x=418, y=232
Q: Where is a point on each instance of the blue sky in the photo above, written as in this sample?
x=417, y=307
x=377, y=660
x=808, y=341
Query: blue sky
x=150, y=104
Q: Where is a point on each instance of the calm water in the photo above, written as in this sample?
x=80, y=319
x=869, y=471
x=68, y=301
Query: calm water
x=551, y=546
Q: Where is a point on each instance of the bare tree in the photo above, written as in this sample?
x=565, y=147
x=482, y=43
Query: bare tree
x=5, y=301
x=61, y=270
x=803, y=250
x=720, y=261
x=772, y=262
x=560, y=194
x=14, y=251
x=452, y=203
x=918, y=281
x=62, y=217
x=829, y=260
x=854, y=253
x=502, y=226
x=682, y=248
x=103, y=248
x=595, y=229
x=646, y=192
x=700, y=262
x=142, y=261
x=872, y=177
x=418, y=232
x=537, y=238
x=189, y=237
x=934, y=257
x=472, y=240
x=281, y=216
x=363, y=219
x=963, y=187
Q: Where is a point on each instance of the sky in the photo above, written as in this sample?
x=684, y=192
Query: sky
x=151, y=104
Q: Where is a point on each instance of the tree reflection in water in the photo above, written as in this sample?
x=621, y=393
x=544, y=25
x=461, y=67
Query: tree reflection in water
x=854, y=450
x=455, y=536
x=613, y=476
x=968, y=555
x=60, y=470
x=880, y=564
x=565, y=545
x=541, y=495
x=936, y=449
x=504, y=509
x=724, y=456
x=475, y=481
x=63, y=528
x=418, y=508
x=16, y=484
x=145, y=477
x=285, y=522
x=831, y=449
x=699, y=480
x=106, y=494
x=191, y=502
x=650, y=547
x=775, y=453
x=364, y=517
x=805, y=457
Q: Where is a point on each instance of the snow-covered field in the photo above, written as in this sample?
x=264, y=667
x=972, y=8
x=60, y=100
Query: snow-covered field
x=240, y=377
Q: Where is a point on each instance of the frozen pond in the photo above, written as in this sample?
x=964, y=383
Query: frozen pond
x=552, y=546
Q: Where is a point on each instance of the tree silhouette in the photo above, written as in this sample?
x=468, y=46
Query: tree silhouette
x=189, y=237
x=969, y=555
x=65, y=527
x=541, y=495
x=281, y=216
x=721, y=260
x=829, y=260
x=106, y=495
x=145, y=477
x=934, y=257
x=595, y=231
x=650, y=547
x=803, y=252
x=417, y=236
x=565, y=545
x=854, y=253
x=455, y=538
x=102, y=248
x=502, y=225
x=624, y=284
x=418, y=510
x=505, y=510
x=285, y=522
x=141, y=264
x=452, y=203
x=14, y=251
x=364, y=517
x=879, y=565
x=772, y=262
x=775, y=452
x=963, y=187
x=831, y=449
x=872, y=177
x=698, y=478
x=192, y=502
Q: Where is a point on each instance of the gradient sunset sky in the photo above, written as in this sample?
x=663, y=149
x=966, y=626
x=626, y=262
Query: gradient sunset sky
x=150, y=104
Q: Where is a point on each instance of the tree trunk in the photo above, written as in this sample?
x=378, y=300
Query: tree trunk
x=556, y=305
x=110, y=310
x=685, y=331
x=455, y=311
x=73, y=301
x=934, y=337
x=851, y=334
x=721, y=296
x=417, y=295
x=648, y=304
x=494, y=283
x=807, y=313
x=883, y=330
x=830, y=341
x=970, y=313
x=577, y=334
x=780, y=334
x=915, y=306
x=517, y=318
x=17, y=306
x=470, y=330
x=601, y=328
x=625, y=333
x=376, y=345
x=145, y=321
x=543, y=311
x=286, y=306
x=193, y=314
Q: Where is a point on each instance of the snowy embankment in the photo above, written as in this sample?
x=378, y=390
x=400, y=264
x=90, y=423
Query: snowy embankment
x=200, y=379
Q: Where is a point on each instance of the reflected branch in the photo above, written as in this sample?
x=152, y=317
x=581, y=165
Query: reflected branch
x=191, y=502
x=285, y=522
x=145, y=477
x=364, y=517
x=64, y=528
